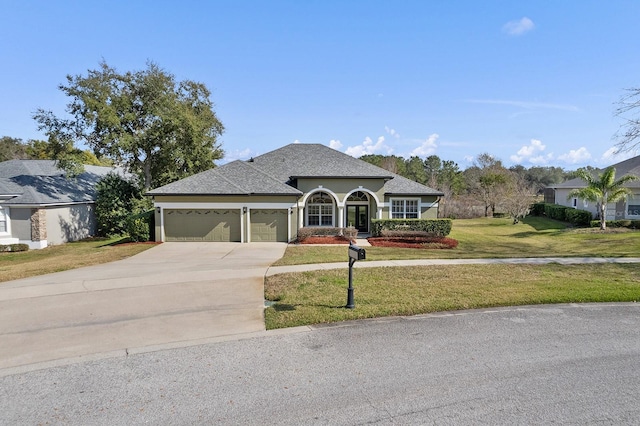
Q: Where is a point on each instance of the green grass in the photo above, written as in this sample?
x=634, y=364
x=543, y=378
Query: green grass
x=319, y=296
x=18, y=265
x=494, y=238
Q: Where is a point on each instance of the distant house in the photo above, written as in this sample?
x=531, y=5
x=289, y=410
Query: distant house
x=270, y=197
x=40, y=206
x=626, y=209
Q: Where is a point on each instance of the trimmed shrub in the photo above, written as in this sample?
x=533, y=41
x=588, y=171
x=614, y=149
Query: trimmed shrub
x=349, y=232
x=537, y=209
x=578, y=217
x=140, y=227
x=562, y=213
x=430, y=227
x=5, y=248
x=555, y=211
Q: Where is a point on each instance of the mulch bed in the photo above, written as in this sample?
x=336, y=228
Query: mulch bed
x=414, y=242
x=324, y=240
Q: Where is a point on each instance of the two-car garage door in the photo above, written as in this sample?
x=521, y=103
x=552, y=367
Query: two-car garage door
x=224, y=225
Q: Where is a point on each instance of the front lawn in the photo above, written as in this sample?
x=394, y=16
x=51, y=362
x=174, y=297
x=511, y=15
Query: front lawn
x=320, y=296
x=494, y=238
x=30, y=263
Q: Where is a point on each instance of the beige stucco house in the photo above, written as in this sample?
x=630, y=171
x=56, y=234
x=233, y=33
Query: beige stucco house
x=626, y=209
x=40, y=206
x=268, y=198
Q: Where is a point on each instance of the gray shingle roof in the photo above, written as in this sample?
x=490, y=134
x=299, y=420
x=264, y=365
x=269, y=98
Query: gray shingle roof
x=400, y=185
x=37, y=182
x=235, y=178
x=629, y=166
x=274, y=172
x=315, y=160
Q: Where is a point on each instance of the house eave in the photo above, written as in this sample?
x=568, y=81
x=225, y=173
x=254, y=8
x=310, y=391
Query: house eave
x=416, y=194
x=212, y=194
x=36, y=206
x=341, y=177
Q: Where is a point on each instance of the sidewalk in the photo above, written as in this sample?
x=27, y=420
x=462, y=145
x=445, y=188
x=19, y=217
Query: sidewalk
x=273, y=270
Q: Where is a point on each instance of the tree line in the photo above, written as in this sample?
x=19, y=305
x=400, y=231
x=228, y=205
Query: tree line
x=483, y=189
x=160, y=129
x=35, y=149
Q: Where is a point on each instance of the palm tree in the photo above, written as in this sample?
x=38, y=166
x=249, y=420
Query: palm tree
x=602, y=189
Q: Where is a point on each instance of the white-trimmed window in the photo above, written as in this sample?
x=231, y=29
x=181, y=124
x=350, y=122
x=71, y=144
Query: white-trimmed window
x=320, y=210
x=405, y=208
x=4, y=228
x=633, y=210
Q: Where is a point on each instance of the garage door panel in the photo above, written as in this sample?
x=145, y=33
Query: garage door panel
x=269, y=225
x=202, y=225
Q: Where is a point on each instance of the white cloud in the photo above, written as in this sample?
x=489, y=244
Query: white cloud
x=335, y=144
x=297, y=141
x=392, y=132
x=609, y=154
x=541, y=159
x=575, y=156
x=469, y=158
x=518, y=27
x=237, y=154
x=427, y=147
x=612, y=156
x=368, y=147
x=531, y=153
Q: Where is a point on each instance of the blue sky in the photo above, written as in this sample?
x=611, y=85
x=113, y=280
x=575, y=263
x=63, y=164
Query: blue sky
x=532, y=83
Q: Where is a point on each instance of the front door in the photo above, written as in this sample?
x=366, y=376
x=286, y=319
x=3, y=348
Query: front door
x=358, y=217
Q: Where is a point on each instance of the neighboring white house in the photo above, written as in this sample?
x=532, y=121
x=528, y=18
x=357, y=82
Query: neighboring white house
x=40, y=206
x=626, y=209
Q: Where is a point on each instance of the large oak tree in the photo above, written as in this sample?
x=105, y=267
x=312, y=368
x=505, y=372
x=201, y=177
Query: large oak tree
x=156, y=127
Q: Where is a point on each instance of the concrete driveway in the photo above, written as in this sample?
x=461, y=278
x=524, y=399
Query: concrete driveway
x=172, y=294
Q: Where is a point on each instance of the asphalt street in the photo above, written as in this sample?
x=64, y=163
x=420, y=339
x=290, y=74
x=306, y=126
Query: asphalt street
x=560, y=364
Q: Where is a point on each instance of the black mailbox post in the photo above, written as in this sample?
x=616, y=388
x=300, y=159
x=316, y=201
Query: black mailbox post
x=355, y=253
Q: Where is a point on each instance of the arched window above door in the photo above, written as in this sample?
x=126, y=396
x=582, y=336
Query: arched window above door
x=358, y=196
x=320, y=198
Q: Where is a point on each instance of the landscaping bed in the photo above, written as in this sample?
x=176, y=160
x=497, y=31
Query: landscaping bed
x=324, y=239
x=418, y=242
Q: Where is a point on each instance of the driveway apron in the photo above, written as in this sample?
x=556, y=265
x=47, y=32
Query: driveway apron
x=172, y=293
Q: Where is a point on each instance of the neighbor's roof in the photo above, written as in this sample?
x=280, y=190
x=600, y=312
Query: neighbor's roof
x=38, y=182
x=274, y=173
x=626, y=167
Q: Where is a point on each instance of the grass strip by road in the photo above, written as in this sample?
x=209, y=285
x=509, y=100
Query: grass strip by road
x=319, y=296
x=493, y=238
x=63, y=257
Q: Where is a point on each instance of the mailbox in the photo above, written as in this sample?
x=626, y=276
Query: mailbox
x=357, y=253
